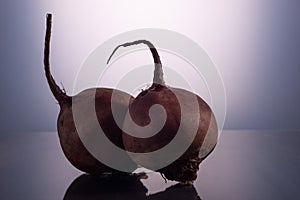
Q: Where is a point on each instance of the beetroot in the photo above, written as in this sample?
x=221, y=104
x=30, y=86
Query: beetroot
x=184, y=169
x=70, y=141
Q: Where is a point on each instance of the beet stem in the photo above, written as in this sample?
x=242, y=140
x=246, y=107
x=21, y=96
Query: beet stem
x=158, y=72
x=59, y=94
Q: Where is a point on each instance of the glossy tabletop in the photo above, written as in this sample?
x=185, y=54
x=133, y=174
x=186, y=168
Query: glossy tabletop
x=245, y=165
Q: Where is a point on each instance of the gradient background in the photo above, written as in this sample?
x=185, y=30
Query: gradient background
x=254, y=43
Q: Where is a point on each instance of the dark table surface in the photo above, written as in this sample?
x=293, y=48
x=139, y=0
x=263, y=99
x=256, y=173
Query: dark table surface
x=244, y=165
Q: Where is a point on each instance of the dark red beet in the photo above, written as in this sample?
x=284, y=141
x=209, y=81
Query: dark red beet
x=71, y=144
x=185, y=168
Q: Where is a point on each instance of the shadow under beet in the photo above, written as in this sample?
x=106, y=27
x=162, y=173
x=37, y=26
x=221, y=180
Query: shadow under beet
x=123, y=187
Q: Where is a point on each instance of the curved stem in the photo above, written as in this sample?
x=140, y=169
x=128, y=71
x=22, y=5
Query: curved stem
x=158, y=72
x=59, y=94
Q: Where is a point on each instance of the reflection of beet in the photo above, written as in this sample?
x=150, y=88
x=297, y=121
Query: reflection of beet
x=107, y=187
x=176, y=192
x=70, y=142
x=185, y=168
x=125, y=187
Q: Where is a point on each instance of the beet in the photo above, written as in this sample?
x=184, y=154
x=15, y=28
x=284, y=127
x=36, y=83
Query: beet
x=184, y=169
x=70, y=141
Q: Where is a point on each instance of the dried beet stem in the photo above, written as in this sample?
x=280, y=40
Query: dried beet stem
x=60, y=95
x=158, y=72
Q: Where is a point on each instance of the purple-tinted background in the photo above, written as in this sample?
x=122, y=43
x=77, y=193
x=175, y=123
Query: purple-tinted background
x=255, y=44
